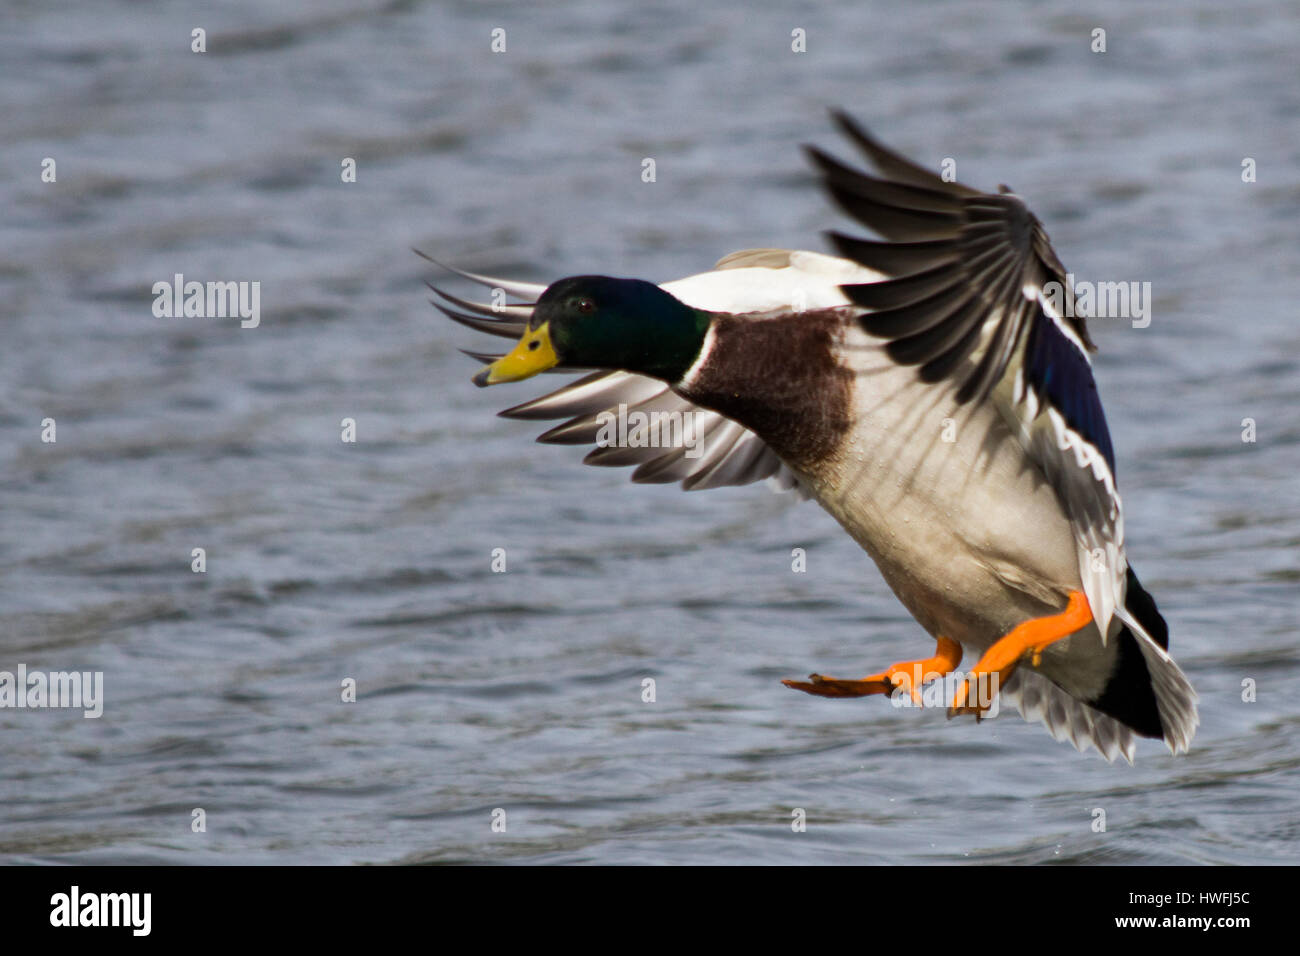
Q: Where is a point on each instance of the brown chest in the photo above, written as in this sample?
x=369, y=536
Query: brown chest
x=780, y=378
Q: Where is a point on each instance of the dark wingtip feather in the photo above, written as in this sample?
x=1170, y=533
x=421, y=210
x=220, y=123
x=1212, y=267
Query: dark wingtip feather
x=580, y=431
x=823, y=160
x=428, y=258
x=892, y=164
x=502, y=327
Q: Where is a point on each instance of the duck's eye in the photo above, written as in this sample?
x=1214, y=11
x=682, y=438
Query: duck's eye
x=586, y=306
x=534, y=345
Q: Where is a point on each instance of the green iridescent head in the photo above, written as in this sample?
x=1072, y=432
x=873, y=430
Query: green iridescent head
x=602, y=322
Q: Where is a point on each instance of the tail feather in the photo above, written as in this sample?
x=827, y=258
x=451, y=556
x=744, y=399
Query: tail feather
x=1147, y=694
x=1175, y=698
x=1066, y=718
x=1147, y=691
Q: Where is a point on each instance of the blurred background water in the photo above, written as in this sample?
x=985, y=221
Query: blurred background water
x=371, y=560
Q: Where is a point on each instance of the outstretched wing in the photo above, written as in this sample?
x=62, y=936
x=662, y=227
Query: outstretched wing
x=721, y=452
x=977, y=296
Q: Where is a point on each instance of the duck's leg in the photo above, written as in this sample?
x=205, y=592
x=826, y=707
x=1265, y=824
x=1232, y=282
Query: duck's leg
x=910, y=674
x=1029, y=638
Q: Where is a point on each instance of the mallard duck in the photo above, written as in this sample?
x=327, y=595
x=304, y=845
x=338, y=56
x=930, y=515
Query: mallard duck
x=930, y=392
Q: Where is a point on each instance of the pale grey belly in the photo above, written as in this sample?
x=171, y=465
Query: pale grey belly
x=967, y=534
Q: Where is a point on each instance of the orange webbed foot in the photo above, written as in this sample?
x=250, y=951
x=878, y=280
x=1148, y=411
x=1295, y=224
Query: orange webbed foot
x=835, y=687
x=908, y=674
x=1001, y=660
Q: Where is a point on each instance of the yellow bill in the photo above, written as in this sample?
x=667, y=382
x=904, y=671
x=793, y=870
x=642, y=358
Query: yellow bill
x=533, y=354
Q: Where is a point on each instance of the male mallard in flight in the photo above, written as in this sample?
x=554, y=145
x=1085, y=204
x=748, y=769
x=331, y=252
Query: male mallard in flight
x=931, y=394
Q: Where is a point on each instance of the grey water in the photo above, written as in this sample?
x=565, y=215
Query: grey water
x=371, y=561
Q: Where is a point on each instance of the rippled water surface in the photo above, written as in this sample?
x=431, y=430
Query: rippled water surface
x=522, y=691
